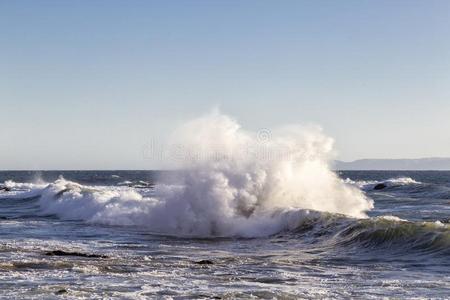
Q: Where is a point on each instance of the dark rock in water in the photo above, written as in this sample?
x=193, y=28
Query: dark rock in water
x=202, y=296
x=64, y=253
x=60, y=193
x=61, y=291
x=5, y=189
x=204, y=262
x=380, y=186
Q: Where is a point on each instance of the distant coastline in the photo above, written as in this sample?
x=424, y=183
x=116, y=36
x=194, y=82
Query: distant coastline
x=420, y=164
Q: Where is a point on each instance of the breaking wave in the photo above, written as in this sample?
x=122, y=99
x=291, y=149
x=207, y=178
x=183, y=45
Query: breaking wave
x=225, y=187
x=127, y=206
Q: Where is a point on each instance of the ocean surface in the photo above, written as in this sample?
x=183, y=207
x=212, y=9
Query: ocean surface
x=108, y=234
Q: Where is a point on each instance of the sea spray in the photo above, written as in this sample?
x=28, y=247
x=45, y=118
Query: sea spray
x=228, y=187
x=225, y=186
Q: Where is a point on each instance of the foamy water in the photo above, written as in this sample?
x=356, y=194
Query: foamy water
x=401, y=248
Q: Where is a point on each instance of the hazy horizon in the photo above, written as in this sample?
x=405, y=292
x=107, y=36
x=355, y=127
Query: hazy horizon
x=88, y=85
x=332, y=163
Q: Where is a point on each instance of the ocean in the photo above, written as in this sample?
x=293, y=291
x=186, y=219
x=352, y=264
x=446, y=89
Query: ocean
x=105, y=234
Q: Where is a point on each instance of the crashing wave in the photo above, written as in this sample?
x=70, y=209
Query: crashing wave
x=126, y=206
x=231, y=182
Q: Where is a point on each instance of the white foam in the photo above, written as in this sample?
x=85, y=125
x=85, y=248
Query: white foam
x=24, y=185
x=365, y=184
x=226, y=187
x=391, y=218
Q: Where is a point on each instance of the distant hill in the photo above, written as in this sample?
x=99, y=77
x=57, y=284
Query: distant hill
x=432, y=163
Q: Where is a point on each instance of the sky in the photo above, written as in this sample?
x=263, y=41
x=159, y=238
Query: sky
x=88, y=84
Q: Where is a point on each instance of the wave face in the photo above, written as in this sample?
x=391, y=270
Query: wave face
x=226, y=188
x=397, y=236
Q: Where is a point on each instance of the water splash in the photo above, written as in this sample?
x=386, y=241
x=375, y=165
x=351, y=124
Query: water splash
x=231, y=182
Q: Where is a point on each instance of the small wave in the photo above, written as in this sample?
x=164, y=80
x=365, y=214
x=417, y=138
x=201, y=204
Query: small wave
x=404, y=187
x=23, y=186
x=136, y=184
x=391, y=182
x=20, y=190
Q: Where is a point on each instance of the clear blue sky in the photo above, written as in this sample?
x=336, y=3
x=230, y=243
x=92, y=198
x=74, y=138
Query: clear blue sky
x=86, y=84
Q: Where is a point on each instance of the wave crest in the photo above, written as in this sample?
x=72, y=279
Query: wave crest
x=229, y=190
